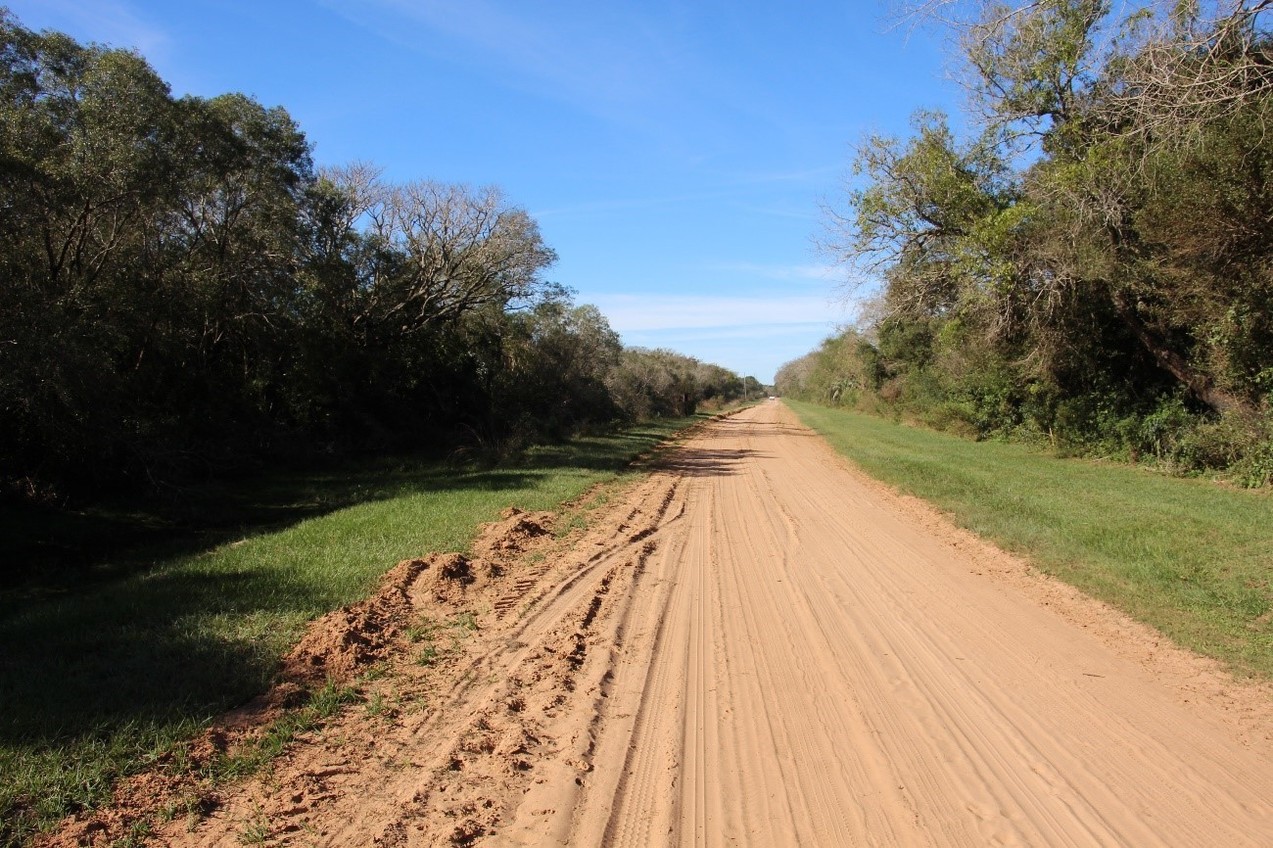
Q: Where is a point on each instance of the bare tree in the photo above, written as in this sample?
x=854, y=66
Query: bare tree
x=1159, y=70
x=431, y=252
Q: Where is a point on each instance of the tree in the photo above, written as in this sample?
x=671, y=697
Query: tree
x=1083, y=252
x=440, y=251
x=551, y=379
x=662, y=383
x=85, y=146
x=925, y=217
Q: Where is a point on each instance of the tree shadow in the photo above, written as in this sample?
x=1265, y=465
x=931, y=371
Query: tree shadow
x=111, y=629
x=760, y=430
x=704, y=462
x=76, y=666
x=48, y=551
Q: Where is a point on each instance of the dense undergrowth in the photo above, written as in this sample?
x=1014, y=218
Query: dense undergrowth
x=931, y=381
x=1085, y=257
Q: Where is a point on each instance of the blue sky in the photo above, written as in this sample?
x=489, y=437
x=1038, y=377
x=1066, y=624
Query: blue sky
x=675, y=154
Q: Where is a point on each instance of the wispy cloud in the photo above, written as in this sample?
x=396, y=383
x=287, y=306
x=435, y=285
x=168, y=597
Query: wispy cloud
x=612, y=61
x=824, y=273
x=634, y=313
x=111, y=22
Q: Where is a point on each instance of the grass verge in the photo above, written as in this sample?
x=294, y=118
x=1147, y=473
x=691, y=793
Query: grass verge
x=106, y=668
x=1191, y=558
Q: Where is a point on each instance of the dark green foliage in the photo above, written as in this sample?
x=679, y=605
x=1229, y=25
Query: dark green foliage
x=182, y=294
x=662, y=383
x=1096, y=268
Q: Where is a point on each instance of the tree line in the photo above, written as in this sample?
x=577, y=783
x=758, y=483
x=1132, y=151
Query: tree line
x=183, y=292
x=1093, y=265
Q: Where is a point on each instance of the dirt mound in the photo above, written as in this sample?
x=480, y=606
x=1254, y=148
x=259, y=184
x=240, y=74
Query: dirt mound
x=459, y=578
x=511, y=536
x=337, y=646
x=340, y=643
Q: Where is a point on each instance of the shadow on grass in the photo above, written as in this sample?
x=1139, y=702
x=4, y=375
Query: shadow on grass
x=138, y=651
x=118, y=635
x=47, y=550
x=105, y=632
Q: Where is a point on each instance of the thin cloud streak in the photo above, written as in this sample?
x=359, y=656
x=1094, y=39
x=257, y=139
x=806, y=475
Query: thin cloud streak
x=822, y=273
x=608, y=63
x=641, y=313
x=115, y=23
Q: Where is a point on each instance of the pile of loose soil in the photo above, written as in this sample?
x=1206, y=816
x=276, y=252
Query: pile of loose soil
x=336, y=648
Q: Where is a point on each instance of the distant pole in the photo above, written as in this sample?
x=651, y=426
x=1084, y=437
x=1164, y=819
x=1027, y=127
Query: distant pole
x=744, y=388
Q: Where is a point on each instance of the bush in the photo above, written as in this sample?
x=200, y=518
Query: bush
x=1239, y=443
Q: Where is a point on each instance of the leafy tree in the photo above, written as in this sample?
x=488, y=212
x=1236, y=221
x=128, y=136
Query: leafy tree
x=661, y=383
x=182, y=292
x=1101, y=248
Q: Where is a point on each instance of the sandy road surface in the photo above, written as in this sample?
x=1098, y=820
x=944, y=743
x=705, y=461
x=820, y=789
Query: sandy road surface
x=759, y=647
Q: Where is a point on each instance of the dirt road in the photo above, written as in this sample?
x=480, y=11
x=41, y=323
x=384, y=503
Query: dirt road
x=759, y=647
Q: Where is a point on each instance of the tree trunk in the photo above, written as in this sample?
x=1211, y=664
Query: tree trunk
x=1199, y=384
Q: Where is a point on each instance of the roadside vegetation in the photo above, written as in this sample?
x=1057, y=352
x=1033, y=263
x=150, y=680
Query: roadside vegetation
x=236, y=387
x=185, y=294
x=1187, y=557
x=109, y=666
x=1090, y=265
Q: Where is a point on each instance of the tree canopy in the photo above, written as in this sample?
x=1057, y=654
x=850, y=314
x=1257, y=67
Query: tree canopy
x=1099, y=254
x=182, y=292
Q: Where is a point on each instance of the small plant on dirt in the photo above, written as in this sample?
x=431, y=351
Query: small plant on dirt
x=377, y=671
x=250, y=757
x=256, y=830
x=191, y=807
x=326, y=701
x=180, y=762
x=376, y=705
x=137, y=833
x=464, y=621
x=427, y=632
x=577, y=521
x=422, y=630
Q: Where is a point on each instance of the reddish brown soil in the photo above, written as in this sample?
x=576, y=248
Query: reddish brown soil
x=753, y=645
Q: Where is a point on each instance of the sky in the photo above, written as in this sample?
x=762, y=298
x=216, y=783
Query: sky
x=677, y=155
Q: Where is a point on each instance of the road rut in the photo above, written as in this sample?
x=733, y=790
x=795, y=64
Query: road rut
x=761, y=647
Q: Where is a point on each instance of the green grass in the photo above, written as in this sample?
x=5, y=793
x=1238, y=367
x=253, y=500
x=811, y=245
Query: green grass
x=1189, y=557
x=139, y=626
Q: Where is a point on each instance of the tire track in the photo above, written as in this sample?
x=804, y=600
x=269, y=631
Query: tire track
x=756, y=647
x=824, y=673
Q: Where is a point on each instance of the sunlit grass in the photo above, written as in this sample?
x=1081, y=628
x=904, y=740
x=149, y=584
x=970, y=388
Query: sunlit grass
x=104, y=668
x=1189, y=557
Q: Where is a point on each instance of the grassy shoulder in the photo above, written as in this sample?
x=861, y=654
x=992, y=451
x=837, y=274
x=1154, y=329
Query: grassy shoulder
x=1188, y=557
x=102, y=674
